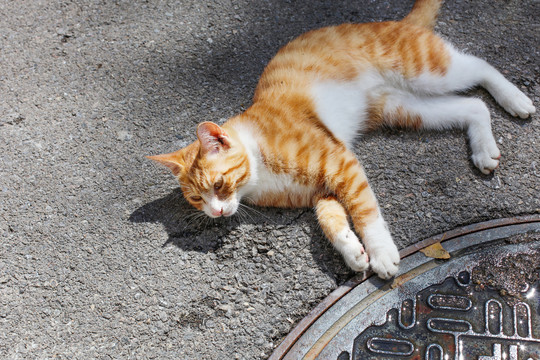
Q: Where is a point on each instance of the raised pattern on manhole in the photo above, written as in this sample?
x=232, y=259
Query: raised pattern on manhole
x=473, y=323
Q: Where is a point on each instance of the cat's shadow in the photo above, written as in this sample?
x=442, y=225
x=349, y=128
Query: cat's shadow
x=191, y=230
x=186, y=228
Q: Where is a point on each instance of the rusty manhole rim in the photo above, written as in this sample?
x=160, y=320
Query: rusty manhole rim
x=298, y=331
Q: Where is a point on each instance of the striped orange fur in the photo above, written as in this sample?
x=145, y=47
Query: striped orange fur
x=290, y=148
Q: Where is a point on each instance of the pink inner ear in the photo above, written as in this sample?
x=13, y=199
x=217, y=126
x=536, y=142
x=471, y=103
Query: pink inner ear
x=212, y=137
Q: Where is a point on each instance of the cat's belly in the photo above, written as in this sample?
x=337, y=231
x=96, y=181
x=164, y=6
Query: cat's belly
x=342, y=105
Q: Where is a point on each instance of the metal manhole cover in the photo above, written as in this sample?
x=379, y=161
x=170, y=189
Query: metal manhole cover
x=482, y=304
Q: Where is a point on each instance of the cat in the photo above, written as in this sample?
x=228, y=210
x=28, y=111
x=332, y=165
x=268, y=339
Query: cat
x=291, y=147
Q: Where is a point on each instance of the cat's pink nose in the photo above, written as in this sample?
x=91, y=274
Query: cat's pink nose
x=217, y=212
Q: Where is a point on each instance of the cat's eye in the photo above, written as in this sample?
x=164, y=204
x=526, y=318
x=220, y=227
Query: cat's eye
x=218, y=184
x=195, y=198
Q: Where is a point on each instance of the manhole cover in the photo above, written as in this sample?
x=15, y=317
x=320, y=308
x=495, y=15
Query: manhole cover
x=483, y=303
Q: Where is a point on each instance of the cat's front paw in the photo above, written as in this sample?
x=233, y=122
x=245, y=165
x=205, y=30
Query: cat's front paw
x=383, y=253
x=357, y=258
x=384, y=261
x=353, y=252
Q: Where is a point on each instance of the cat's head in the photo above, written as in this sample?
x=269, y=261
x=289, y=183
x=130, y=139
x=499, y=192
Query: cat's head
x=210, y=170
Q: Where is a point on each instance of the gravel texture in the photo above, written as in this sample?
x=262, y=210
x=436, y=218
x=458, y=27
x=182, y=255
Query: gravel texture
x=510, y=275
x=99, y=255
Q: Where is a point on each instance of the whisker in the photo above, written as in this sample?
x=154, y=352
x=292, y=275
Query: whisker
x=192, y=214
x=244, y=214
x=196, y=217
x=207, y=222
x=258, y=213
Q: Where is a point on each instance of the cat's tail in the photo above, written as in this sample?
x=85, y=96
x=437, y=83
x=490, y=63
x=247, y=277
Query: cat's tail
x=424, y=13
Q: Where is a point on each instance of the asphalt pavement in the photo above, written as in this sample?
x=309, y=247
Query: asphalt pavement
x=100, y=257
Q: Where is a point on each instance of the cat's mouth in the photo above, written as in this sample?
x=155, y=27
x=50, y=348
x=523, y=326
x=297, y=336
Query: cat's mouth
x=219, y=214
x=220, y=211
x=229, y=213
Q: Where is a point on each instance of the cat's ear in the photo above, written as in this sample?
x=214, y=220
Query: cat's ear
x=212, y=137
x=173, y=161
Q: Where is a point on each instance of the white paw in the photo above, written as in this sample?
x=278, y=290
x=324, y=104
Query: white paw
x=384, y=261
x=517, y=103
x=486, y=162
x=383, y=253
x=353, y=252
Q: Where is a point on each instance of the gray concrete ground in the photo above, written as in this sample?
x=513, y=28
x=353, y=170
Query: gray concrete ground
x=99, y=255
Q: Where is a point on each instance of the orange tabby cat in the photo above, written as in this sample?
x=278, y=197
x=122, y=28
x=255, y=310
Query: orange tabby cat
x=291, y=148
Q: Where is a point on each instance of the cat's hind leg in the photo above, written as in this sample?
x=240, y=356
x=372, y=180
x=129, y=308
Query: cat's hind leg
x=335, y=225
x=467, y=68
x=466, y=71
x=443, y=112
